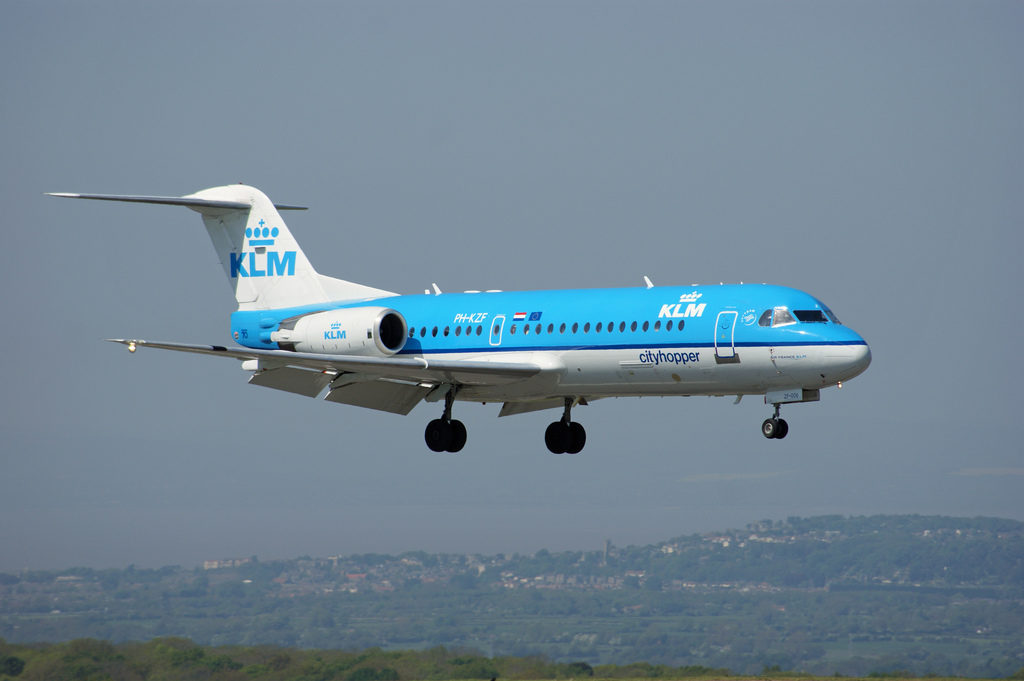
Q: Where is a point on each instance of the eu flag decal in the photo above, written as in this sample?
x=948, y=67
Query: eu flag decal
x=535, y=316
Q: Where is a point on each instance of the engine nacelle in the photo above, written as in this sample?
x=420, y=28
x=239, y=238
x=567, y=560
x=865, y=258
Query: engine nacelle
x=349, y=331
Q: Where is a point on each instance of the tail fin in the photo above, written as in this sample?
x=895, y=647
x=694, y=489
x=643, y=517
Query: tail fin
x=263, y=262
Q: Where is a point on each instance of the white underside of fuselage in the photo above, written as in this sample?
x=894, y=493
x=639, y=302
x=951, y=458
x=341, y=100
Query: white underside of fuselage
x=637, y=372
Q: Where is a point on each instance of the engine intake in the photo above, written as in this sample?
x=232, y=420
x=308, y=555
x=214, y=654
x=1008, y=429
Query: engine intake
x=349, y=331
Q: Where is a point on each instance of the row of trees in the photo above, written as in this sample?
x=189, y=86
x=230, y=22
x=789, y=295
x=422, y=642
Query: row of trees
x=178, y=659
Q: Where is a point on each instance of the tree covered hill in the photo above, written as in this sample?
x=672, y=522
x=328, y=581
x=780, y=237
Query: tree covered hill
x=827, y=594
x=818, y=552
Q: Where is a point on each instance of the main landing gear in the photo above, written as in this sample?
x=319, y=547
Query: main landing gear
x=565, y=436
x=775, y=428
x=446, y=434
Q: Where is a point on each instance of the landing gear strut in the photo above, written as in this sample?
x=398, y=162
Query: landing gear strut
x=775, y=428
x=446, y=434
x=565, y=436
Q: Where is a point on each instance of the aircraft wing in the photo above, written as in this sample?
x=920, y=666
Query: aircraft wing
x=394, y=384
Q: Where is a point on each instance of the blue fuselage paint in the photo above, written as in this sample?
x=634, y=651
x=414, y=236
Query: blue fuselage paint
x=665, y=325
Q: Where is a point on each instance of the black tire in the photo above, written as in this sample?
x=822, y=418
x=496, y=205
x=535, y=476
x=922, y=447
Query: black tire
x=577, y=438
x=438, y=435
x=458, y=438
x=783, y=429
x=556, y=437
x=769, y=428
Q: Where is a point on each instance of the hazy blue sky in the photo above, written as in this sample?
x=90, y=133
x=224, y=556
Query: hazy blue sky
x=871, y=153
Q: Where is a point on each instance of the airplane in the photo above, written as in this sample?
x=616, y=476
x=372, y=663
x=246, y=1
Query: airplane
x=302, y=332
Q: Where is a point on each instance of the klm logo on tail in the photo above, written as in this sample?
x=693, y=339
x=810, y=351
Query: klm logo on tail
x=262, y=262
x=266, y=264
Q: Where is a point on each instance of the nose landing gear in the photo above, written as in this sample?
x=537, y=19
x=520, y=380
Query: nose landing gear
x=775, y=428
x=446, y=434
x=565, y=436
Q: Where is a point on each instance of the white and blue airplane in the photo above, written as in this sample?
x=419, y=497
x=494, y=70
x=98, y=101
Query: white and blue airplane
x=306, y=333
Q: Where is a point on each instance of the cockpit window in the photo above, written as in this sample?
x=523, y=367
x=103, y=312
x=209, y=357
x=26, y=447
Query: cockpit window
x=782, y=317
x=810, y=315
x=835, y=320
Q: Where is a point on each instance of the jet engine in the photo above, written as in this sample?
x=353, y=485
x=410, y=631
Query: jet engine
x=349, y=331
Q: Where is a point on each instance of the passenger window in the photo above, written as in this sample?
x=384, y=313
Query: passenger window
x=681, y=322
x=810, y=316
x=657, y=325
x=433, y=332
x=586, y=328
x=575, y=327
x=423, y=331
x=668, y=326
x=561, y=329
x=512, y=330
x=480, y=330
x=412, y=332
x=538, y=329
x=766, y=318
x=622, y=327
x=647, y=325
x=597, y=329
x=446, y=331
x=526, y=329
x=551, y=328
x=458, y=330
x=632, y=327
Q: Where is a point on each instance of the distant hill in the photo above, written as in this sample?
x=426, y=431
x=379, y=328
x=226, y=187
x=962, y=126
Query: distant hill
x=829, y=594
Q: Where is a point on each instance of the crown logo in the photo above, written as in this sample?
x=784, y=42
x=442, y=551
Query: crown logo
x=261, y=235
x=335, y=326
x=690, y=297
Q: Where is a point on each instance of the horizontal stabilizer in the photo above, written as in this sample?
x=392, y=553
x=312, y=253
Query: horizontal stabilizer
x=190, y=201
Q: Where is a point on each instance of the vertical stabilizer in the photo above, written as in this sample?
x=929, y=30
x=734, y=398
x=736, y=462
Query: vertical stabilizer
x=264, y=264
x=260, y=257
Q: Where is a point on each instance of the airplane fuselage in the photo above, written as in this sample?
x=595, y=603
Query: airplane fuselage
x=686, y=340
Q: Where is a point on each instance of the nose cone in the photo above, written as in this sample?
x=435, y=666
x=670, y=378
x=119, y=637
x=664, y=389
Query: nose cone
x=860, y=358
x=849, y=359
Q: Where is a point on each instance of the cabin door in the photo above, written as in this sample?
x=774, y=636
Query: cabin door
x=725, y=335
